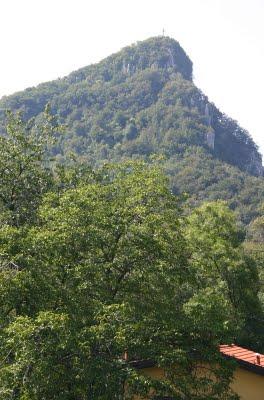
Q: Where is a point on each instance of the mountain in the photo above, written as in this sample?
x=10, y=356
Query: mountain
x=142, y=101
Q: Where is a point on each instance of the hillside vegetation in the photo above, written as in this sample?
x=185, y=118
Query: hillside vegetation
x=96, y=263
x=104, y=263
x=142, y=101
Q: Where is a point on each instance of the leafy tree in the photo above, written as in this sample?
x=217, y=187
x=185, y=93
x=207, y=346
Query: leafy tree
x=219, y=262
x=25, y=171
x=106, y=270
x=254, y=246
x=255, y=232
x=97, y=263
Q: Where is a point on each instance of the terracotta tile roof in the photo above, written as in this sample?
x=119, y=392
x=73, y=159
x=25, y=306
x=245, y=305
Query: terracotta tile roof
x=246, y=358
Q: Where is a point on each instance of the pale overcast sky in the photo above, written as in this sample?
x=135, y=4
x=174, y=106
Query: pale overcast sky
x=46, y=39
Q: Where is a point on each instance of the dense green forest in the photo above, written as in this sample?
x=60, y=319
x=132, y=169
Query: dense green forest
x=98, y=262
x=142, y=101
x=131, y=222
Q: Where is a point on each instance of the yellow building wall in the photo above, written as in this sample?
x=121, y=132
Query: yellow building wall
x=154, y=372
x=248, y=385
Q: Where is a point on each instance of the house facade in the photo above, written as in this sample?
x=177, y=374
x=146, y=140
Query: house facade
x=248, y=378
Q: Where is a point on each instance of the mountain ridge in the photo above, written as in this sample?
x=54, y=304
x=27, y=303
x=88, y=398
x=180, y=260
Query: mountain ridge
x=139, y=101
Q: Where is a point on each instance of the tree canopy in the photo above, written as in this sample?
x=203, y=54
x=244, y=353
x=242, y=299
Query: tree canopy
x=100, y=259
x=25, y=169
x=111, y=265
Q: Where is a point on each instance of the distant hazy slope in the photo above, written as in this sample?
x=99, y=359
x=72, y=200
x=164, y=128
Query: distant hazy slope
x=142, y=101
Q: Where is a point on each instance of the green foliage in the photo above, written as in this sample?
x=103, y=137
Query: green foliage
x=142, y=101
x=254, y=246
x=219, y=261
x=24, y=168
x=95, y=263
x=112, y=265
x=206, y=178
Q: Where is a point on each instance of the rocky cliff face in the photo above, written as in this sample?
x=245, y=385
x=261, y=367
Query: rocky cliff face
x=255, y=165
x=225, y=137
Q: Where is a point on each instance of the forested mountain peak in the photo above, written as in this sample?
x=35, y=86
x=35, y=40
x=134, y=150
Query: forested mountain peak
x=155, y=53
x=142, y=101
